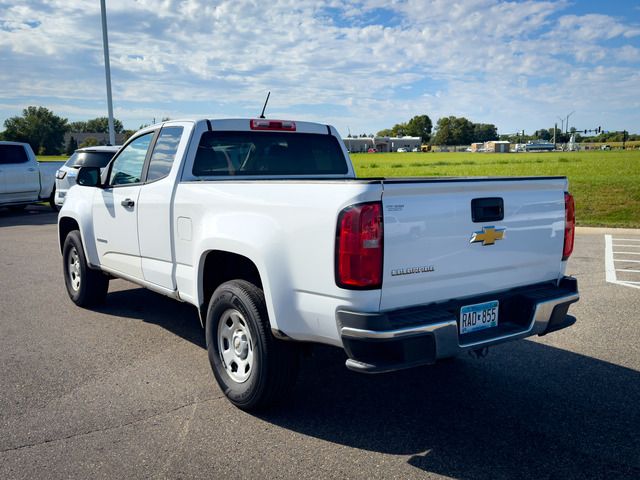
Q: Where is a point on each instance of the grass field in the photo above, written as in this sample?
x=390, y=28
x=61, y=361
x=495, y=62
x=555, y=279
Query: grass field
x=52, y=158
x=606, y=184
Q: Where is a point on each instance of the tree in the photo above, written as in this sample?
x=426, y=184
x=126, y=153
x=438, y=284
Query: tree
x=40, y=128
x=78, y=127
x=543, y=134
x=72, y=146
x=89, y=142
x=419, y=126
x=101, y=124
x=483, y=132
x=128, y=134
x=453, y=131
x=385, y=133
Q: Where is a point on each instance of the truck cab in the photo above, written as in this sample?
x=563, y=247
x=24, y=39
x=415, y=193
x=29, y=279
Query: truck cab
x=23, y=180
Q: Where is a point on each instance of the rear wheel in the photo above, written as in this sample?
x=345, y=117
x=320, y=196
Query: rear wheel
x=252, y=367
x=85, y=286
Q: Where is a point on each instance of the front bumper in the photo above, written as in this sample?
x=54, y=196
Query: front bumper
x=59, y=197
x=387, y=341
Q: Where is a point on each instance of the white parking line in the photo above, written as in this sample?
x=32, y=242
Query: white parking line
x=610, y=261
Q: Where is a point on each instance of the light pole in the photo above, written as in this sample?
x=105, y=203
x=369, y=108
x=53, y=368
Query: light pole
x=107, y=72
x=561, y=123
x=567, y=125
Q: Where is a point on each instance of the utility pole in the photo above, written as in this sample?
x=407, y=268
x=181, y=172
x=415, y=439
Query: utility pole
x=567, y=125
x=555, y=127
x=107, y=71
x=561, y=124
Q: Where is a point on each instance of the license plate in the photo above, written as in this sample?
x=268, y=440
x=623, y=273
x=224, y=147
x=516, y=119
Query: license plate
x=478, y=317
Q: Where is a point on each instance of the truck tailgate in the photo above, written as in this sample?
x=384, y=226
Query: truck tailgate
x=435, y=251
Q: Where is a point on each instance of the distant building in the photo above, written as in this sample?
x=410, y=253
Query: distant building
x=477, y=147
x=405, y=142
x=497, y=146
x=381, y=144
x=358, y=145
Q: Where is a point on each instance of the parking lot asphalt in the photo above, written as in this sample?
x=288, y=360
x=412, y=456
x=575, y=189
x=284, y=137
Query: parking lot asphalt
x=125, y=391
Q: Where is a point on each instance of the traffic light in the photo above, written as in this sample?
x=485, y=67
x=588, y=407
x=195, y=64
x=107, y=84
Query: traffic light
x=599, y=129
x=585, y=131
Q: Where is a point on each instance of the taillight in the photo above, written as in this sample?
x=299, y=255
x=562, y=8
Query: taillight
x=359, y=247
x=569, y=225
x=264, y=124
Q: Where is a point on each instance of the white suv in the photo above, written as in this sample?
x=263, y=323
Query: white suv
x=98, y=156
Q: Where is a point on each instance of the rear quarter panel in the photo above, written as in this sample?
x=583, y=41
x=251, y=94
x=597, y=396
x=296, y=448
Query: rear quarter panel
x=48, y=177
x=287, y=229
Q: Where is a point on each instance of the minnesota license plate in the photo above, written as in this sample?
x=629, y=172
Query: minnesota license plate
x=478, y=317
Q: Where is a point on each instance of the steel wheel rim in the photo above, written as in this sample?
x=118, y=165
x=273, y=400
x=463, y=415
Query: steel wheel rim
x=235, y=345
x=73, y=269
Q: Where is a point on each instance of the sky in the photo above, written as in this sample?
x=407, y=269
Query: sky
x=359, y=65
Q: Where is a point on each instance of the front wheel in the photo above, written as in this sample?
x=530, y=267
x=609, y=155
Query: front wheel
x=252, y=367
x=52, y=201
x=86, y=287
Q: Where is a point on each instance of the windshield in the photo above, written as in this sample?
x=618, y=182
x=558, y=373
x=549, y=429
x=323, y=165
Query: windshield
x=223, y=153
x=89, y=159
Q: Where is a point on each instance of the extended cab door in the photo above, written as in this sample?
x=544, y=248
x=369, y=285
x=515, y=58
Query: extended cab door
x=155, y=203
x=115, y=209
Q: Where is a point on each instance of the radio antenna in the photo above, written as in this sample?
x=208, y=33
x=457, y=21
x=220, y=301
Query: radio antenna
x=265, y=105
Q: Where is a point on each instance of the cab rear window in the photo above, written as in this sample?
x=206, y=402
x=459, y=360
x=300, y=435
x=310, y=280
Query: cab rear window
x=13, y=154
x=229, y=153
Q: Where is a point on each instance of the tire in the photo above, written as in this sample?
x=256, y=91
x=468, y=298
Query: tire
x=86, y=287
x=252, y=367
x=52, y=201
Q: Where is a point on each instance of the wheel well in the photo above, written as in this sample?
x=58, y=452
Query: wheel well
x=66, y=225
x=220, y=267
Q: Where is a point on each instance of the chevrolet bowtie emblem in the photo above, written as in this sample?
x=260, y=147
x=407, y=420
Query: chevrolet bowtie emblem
x=488, y=235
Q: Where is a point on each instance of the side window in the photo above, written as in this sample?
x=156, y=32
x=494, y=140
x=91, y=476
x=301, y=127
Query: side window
x=127, y=167
x=164, y=153
x=13, y=154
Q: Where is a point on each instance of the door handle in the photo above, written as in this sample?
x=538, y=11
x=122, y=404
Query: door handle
x=127, y=202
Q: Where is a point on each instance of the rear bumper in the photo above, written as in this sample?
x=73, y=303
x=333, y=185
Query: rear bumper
x=386, y=341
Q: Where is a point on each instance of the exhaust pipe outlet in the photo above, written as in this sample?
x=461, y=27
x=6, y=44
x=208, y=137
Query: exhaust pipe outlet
x=479, y=353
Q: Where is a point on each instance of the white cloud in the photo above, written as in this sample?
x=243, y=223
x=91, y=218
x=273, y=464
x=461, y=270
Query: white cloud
x=517, y=64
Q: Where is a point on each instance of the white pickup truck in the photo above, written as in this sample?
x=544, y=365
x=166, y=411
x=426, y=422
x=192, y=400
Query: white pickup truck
x=24, y=180
x=263, y=227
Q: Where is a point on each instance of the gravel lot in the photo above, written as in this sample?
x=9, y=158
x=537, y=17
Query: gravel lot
x=125, y=391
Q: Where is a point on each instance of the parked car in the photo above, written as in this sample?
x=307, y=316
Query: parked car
x=402, y=150
x=24, y=180
x=97, y=156
x=605, y=147
x=263, y=226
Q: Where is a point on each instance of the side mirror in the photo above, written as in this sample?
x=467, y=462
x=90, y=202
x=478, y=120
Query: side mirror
x=89, y=177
